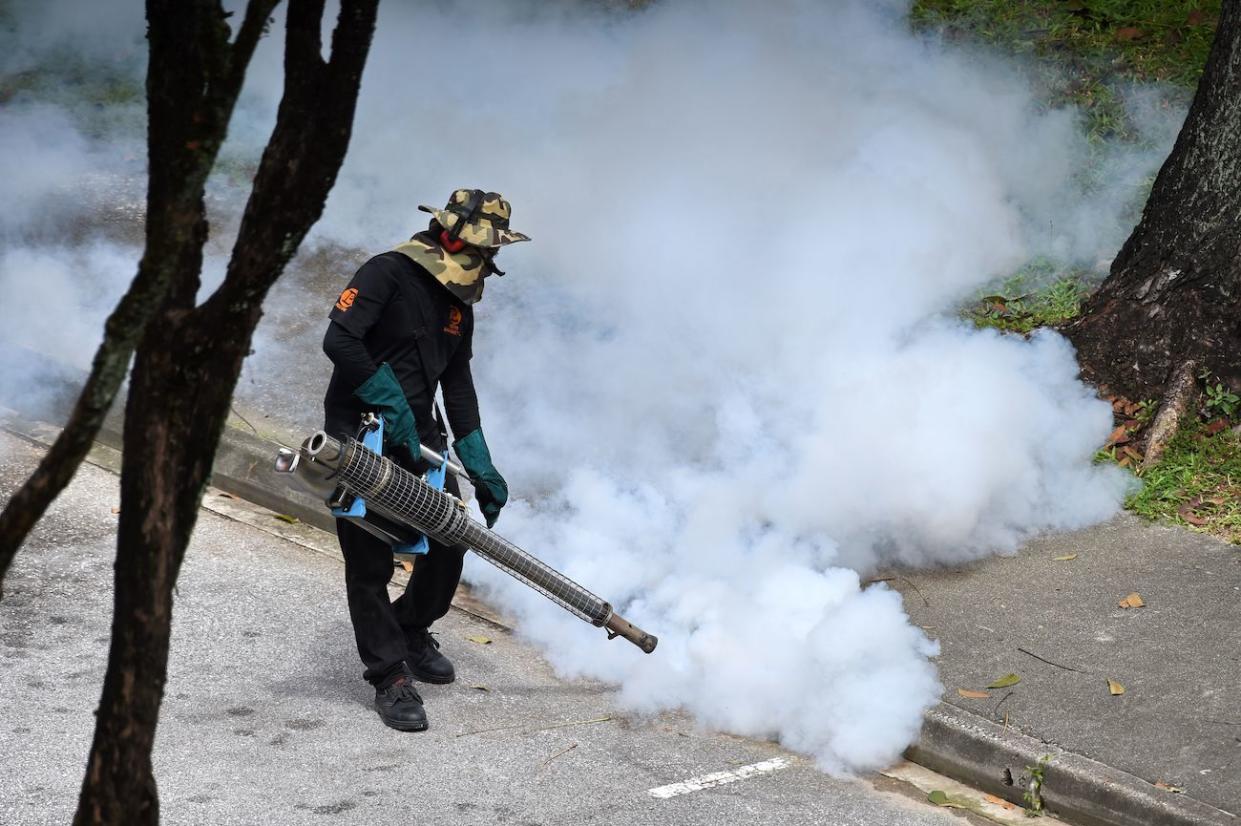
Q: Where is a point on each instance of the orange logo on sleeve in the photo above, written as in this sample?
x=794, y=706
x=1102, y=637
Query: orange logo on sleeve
x=454, y=322
x=346, y=299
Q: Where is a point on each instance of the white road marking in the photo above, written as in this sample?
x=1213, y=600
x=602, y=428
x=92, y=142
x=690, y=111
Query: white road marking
x=707, y=781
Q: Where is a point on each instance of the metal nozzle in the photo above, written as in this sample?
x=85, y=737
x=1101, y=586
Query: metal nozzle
x=618, y=626
x=323, y=448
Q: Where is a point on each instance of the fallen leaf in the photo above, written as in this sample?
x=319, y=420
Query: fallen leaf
x=116, y=510
x=226, y=495
x=1133, y=453
x=1168, y=787
x=1128, y=34
x=1215, y=427
x=1119, y=436
x=407, y=565
x=1005, y=681
x=1124, y=461
x=1134, y=600
x=480, y=688
x=972, y=694
x=1066, y=558
x=1115, y=688
x=284, y=517
x=999, y=801
x=480, y=640
x=940, y=798
x=1186, y=512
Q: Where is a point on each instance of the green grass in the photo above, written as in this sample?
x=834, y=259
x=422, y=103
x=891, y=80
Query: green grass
x=1038, y=295
x=1197, y=484
x=1084, y=52
x=1144, y=40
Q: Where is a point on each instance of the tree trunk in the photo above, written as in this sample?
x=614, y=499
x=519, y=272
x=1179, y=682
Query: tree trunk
x=1174, y=292
x=187, y=365
x=164, y=467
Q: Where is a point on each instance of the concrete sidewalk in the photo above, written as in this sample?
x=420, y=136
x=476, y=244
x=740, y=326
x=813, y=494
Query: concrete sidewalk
x=1057, y=624
x=1178, y=724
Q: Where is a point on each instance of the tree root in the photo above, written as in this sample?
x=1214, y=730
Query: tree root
x=1181, y=393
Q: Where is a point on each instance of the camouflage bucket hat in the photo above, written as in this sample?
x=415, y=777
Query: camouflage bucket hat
x=482, y=216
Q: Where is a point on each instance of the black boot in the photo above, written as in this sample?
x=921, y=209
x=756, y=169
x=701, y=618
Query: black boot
x=399, y=705
x=425, y=660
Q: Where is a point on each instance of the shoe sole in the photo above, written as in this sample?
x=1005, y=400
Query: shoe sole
x=399, y=726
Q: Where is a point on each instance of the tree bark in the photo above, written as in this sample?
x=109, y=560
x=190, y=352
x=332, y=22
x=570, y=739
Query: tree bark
x=193, y=78
x=187, y=365
x=1174, y=291
x=1181, y=393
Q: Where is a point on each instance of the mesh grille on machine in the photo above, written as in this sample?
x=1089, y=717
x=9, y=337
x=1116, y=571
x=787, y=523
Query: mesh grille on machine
x=399, y=494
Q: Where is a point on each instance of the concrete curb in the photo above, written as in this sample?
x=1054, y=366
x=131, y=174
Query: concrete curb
x=953, y=742
x=998, y=760
x=245, y=467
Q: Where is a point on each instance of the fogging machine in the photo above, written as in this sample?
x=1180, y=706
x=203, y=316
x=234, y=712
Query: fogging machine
x=404, y=509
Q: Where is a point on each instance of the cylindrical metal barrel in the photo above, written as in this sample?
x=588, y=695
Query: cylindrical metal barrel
x=400, y=495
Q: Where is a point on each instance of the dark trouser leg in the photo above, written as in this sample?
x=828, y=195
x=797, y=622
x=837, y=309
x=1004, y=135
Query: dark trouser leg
x=431, y=587
x=368, y=567
x=433, y=582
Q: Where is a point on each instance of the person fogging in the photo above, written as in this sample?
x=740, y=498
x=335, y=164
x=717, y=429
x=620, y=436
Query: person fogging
x=402, y=327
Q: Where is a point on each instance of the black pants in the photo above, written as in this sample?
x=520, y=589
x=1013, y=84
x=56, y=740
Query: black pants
x=380, y=626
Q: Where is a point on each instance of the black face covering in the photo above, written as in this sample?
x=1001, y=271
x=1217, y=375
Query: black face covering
x=489, y=263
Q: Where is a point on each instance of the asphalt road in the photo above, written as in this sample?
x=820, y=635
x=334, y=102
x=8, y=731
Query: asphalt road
x=266, y=719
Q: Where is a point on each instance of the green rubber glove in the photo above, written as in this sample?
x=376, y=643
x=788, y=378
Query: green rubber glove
x=383, y=393
x=489, y=486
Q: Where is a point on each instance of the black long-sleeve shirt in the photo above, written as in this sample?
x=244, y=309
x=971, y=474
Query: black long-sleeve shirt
x=394, y=311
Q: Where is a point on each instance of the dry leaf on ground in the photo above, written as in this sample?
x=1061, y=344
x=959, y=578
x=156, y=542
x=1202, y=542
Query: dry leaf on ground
x=224, y=495
x=1168, y=787
x=116, y=510
x=1119, y=436
x=1115, y=688
x=999, y=801
x=1066, y=558
x=1134, y=600
x=480, y=640
x=1005, y=681
x=1215, y=427
x=972, y=694
x=1189, y=511
x=284, y=517
x=407, y=565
